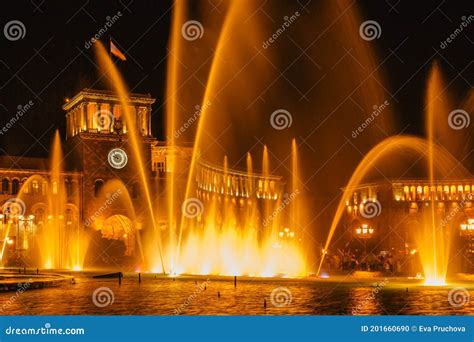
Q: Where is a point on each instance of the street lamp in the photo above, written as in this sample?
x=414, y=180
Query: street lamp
x=364, y=232
x=286, y=233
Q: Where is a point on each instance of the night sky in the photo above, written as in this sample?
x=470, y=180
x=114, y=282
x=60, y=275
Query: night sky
x=51, y=62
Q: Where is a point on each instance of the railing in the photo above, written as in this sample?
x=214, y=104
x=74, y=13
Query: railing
x=214, y=179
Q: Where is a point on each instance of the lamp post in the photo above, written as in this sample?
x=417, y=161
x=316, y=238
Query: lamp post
x=364, y=232
x=24, y=231
x=286, y=233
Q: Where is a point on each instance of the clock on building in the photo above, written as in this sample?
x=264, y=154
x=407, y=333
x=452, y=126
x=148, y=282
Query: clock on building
x=117, y=158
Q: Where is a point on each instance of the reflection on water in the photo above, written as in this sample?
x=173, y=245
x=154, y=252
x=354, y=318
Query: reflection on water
x=162, y=296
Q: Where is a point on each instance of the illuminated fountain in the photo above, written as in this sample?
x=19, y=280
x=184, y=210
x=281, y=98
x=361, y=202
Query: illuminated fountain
x=236, y=232
x=236, y=215
x=52, y=224
x=433, y=238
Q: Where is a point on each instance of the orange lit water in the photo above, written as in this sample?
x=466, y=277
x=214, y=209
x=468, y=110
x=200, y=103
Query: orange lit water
x=163, y=296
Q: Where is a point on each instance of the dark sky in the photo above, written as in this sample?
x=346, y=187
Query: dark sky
x=51, y=63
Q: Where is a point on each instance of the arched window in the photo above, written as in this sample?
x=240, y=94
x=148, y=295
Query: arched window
x=35, y=187
x=15, y=186
x=5, y=186
x=99, y=183
x=68, y=188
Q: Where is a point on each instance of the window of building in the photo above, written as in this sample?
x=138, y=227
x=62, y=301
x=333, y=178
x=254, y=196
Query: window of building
x=99, y=183
x=69, y=189
x=5, y=186
x=35, y=187
x=15, y=186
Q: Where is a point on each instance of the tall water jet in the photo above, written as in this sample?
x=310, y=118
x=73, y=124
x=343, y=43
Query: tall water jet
x=133, y=135
x=171, y=110
x=295, y=179
x=434, y=242
x=56, y=201
x=386, y=148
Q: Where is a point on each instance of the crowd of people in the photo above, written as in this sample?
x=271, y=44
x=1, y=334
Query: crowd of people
x=348, y=260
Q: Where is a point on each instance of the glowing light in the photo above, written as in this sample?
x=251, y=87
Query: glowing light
x=434, y=282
